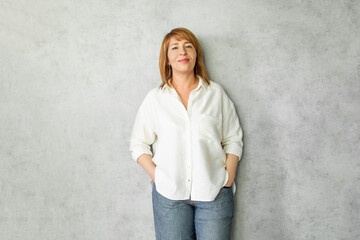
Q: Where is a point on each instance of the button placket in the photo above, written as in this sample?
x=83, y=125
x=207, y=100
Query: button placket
x=189, y=162
x=189, y=170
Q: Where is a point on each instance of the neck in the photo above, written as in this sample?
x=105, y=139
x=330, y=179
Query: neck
x=184, y=81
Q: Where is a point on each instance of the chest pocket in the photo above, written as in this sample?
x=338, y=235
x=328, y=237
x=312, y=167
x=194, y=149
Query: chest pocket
x=210, y=128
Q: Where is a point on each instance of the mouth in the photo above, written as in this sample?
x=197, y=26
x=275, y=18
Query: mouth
x=184, y=60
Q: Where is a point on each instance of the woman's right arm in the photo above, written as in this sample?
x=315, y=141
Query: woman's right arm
x=145, y=161
x=143, y=136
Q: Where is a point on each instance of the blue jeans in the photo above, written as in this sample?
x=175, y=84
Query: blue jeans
x=186, y=219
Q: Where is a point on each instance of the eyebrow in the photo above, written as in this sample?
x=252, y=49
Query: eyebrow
x=178, y=43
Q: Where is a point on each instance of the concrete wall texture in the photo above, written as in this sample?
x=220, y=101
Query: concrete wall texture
x=73, y=74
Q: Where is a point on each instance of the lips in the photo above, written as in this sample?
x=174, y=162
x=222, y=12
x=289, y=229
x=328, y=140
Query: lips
x=185, y=60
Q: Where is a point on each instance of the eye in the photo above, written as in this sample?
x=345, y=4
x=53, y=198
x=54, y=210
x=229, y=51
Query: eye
x=173, y=48
x=188, y=46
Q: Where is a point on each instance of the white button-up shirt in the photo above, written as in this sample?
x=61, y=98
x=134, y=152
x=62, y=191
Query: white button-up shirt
x=188, y=146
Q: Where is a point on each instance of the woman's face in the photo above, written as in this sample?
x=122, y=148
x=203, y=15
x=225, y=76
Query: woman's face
x=181, y=55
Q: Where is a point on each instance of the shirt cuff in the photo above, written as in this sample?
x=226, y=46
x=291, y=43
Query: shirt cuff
x=233, y=148
x=139, y=150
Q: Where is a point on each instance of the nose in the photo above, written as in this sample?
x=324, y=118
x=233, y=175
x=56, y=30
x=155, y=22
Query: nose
x=182, y=50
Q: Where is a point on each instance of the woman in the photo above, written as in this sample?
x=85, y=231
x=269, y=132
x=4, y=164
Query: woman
x=196, y=139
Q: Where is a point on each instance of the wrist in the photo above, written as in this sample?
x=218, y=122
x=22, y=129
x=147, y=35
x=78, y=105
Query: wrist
x=152, y=175
x=231, y=177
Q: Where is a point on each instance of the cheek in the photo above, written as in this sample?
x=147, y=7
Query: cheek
x=194, y=55
x=195, y=58
x=171, y=57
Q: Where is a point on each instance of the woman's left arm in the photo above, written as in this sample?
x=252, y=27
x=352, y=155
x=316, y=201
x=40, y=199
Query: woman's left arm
x=231, y=166
x=232, y=139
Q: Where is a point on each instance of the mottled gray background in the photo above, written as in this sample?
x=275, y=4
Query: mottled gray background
x=72, y=76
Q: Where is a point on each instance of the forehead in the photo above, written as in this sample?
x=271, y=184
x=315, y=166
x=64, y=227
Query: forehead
x=177, y=40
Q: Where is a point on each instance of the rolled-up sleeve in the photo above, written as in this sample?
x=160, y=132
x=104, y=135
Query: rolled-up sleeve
x=143, y=132
x=232, y=132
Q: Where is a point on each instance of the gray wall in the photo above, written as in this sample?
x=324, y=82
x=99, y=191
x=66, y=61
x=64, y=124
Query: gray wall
x=73, y=73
